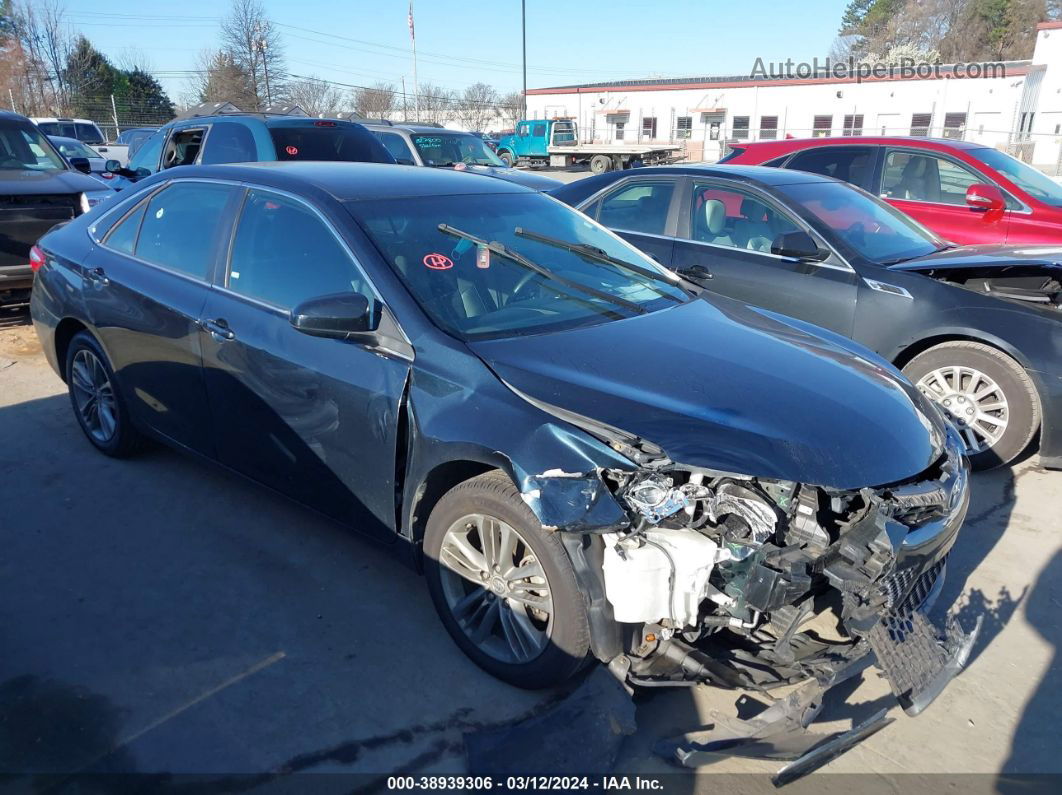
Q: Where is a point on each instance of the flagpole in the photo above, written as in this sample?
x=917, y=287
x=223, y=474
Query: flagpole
x=413, y=40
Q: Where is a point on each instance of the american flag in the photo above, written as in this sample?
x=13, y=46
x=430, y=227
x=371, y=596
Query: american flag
x=412, y=36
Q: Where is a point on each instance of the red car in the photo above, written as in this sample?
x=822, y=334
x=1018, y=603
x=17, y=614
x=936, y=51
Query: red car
x=965, y=192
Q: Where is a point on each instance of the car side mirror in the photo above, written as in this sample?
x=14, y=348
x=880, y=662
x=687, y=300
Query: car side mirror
x=81, y=164
x=985, y=197
x=339, y=315
x=112, y=165
x=798, y=245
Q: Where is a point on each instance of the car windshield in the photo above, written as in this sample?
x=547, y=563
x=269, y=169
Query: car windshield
x=445, y=149
x=328, y=141
x=1032, y=181
x=475, y=292
x=855, y=220
x=73, y=148
x=24, y=148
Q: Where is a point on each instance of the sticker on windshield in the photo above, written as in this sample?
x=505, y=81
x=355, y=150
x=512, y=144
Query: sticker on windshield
x=482, y=257
x=438, y=262
x=459, y=166
x=291, y=150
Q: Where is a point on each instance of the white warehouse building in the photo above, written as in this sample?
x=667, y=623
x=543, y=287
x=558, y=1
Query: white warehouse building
x=1013, y=105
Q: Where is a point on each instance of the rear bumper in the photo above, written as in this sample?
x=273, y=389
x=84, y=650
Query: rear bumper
x=14, y=281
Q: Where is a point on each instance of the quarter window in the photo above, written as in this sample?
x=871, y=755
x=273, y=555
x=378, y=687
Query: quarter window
x=181, y=228
x=727, y=217
x=399, y=149
x=123, y=236
x=925, y=178
x=641, y=207
x=285, y=254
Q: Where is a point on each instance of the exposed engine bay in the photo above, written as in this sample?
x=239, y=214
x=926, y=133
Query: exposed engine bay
x=752, y=583
x=1024, y=283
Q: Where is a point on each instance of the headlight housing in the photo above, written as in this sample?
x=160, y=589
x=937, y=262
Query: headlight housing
x=91, y=198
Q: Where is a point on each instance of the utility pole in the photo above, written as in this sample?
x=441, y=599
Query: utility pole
x=405, y=100
x=261, y=46
x=523, y=32
x=413, y=42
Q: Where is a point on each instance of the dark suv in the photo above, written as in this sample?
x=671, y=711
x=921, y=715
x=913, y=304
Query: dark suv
x=247, y=138
x=38, y=189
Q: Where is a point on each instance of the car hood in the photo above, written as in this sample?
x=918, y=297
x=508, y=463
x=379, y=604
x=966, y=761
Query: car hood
x=985, y=257
x=525, y=178
x=722, y=385
x=35, y=183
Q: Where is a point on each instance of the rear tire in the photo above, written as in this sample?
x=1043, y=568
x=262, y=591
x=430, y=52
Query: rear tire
x=599, y=164
x=987, y=394
x=97, y=400
x=483, y=528
x=507, y=158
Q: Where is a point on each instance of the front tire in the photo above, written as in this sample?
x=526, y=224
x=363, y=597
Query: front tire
x=96, y=399
x=987, y=394
x=503, y=586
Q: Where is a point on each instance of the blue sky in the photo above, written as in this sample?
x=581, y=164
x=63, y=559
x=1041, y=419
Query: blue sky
x=463, y=41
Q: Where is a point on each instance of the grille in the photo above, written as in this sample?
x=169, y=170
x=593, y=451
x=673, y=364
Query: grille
x=906, y=589
x=37, y=201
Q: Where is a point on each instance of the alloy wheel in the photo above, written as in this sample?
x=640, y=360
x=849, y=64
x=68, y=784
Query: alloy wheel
x=94, y=396
x=972, y=400
x=496, y=589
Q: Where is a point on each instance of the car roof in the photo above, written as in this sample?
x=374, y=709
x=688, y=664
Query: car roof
x=417, y=128
x=8, y=115
x=792, y=144
x=764, y=175
x=61, y=118
x=348, y=181
x=65, y=139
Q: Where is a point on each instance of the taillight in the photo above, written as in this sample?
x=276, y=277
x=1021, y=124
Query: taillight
x=36, y=258
x=324, y=124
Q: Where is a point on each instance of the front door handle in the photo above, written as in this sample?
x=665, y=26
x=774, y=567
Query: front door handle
x=97, y=276
x=218, y=329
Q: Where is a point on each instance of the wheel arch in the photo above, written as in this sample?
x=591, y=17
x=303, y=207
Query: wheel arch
x=439, y=480
x=65, y=331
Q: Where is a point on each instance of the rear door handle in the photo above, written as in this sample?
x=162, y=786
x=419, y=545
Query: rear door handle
x=218, y=329
x=98, y=276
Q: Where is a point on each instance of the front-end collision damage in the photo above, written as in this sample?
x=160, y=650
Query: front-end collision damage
x=722, y=578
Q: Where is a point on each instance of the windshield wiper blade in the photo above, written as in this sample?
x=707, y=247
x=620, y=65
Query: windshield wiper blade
x=594, y=253
x=502, y=250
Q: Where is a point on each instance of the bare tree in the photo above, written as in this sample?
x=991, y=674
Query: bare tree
x=219, y=79
x=376, y=101
x=315, y=96
x=252, y=40
x=40, y=45
x=478, y=106
x=437, y=104
x=511, y=108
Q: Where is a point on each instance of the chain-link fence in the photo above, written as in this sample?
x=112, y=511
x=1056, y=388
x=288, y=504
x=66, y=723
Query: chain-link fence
x=113, y=114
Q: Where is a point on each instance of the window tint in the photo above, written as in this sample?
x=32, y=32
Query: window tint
x=147, y=156
x=641, y=207
x=284, y=254
x=89, y=133
x=181, y=226
x=49, y=127
x=925, y=178
x=328, y=141
x=397, y=146
x=849, y=164
x=727, y=217
x=229, y=142
x=123, y=236
x=539, y=131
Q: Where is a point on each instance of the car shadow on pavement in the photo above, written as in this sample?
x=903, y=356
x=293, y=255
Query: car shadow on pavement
x=1034, y=746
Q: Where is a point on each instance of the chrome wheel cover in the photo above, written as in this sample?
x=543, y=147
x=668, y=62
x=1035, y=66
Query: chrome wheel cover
x=973, y=401
x=94, y=397
x=496, y=589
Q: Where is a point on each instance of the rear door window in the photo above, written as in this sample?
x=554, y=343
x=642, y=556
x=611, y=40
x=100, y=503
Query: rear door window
x=181, y=227
x=854, y=164
x=328, y=141
x=89, y=133
x=639, y=207
x=229, y=142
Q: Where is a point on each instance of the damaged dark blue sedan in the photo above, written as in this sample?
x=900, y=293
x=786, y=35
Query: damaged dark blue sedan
x=587, y=455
